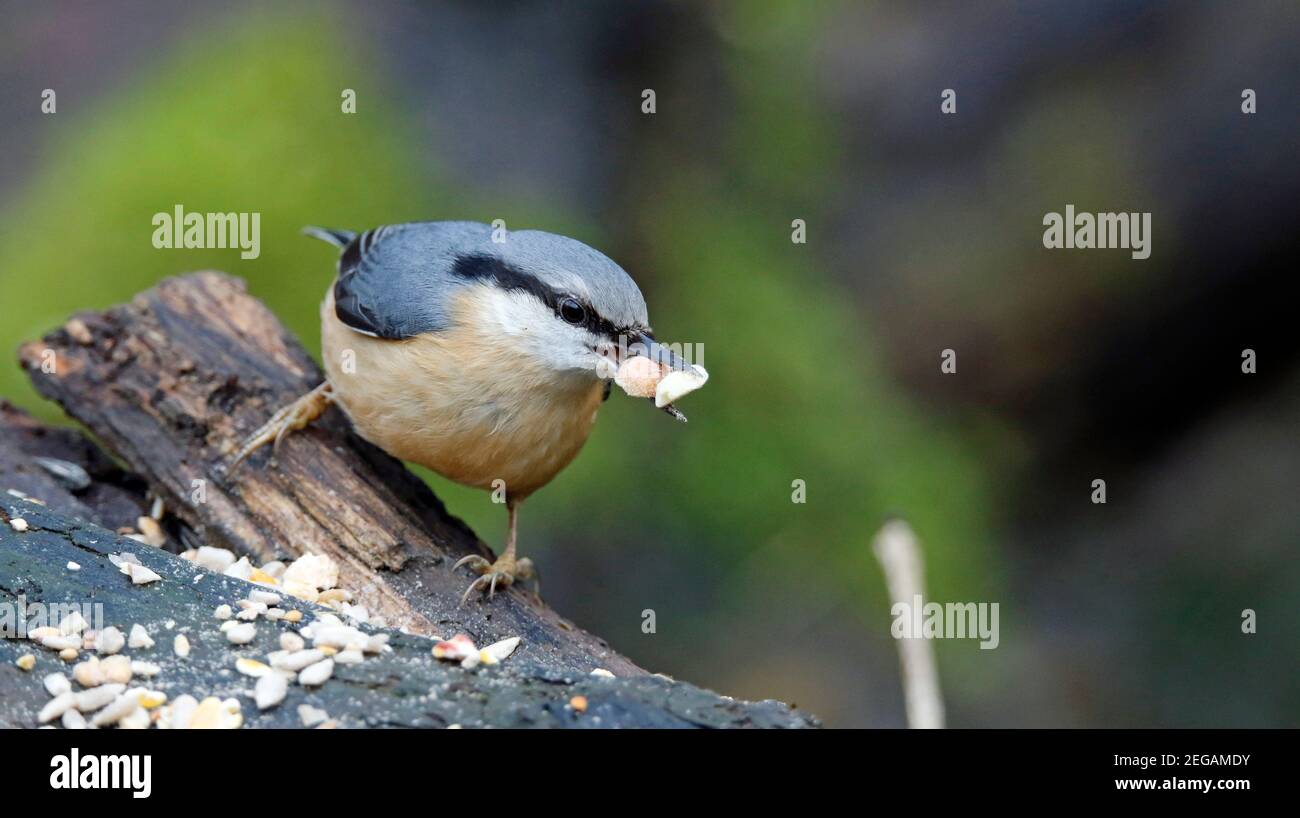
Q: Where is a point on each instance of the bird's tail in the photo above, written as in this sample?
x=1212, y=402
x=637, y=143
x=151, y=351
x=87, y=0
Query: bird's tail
x=338, y=238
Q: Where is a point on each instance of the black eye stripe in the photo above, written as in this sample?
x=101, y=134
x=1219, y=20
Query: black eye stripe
x=509, y=278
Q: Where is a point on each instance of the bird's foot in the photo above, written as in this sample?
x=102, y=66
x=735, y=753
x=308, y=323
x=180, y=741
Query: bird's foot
x=290, y=418
x=504, y=573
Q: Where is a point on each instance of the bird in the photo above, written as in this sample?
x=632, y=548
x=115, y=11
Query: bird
x=481, y=354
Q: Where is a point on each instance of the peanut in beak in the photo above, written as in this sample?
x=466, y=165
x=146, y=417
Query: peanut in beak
x=642, y=377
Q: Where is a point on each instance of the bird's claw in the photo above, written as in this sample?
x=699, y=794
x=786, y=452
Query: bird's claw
x=288, y=419
x=504, y=572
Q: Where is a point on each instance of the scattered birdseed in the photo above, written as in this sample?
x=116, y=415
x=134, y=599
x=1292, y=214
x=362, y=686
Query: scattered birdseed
x=152, y=698
x=214, y=714
x=72, y=566
x=296, y=661
x=26, y=662
x=61, y=642
x=338, y=636
x=317, y=674
x=222, y=612
x=139, y=574
x=350, y=657
x=455, y=649
x=176, y=716
x=275, y=614
x=151, y=531
x=213, y=558
x=316, y=570
x=122, y=706
x=247, y=615
x=56, y=707
x=270, y=690
x=181, y=645
x=311, y=716
x=73, y=720
x=73, y=623
x=241, y=634
x=56, y=684
x=137, y=719
x=291, y=642
x=88, y=701
x=265, y=598
x=68, y=654
x=252, y=667
x=88, y=673
x=274, y=569
x=18, y=524
x=601, y=672
x=579, y=703
x=157, y=509
x=145, y=669
x=117, y=669
x=301, y=590
x=109, y=641
x=139, y=638
x=293, y=616
x=262, y=578
x=357, y=613
x=500, y=651
x=241, y=569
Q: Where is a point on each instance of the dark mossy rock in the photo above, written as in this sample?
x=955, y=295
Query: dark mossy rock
x=405, y=687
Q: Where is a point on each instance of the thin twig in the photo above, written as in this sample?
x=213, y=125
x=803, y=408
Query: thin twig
x=899, y=553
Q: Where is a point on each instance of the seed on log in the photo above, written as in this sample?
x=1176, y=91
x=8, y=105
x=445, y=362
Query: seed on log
x=139, y=638
x=241, y=634
x=317, y=674
x=270, y=690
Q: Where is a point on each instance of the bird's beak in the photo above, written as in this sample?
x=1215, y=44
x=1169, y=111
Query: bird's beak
x=643, y=343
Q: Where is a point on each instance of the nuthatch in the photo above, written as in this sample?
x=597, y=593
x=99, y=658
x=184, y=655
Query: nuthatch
x=483, y=360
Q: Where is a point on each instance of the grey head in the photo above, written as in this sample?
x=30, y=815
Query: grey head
x=562, y=298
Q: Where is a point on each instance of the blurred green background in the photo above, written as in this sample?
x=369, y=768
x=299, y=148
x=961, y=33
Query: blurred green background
x=924, y=233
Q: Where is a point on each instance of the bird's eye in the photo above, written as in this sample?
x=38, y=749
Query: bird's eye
x=572, y=311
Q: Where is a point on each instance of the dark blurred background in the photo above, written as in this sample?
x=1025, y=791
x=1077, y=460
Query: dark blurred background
x=924, y=233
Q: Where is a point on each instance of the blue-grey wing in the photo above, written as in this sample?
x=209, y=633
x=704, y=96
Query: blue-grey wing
x=396, y=281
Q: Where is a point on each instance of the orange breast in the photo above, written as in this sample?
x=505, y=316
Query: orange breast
x=460, y=403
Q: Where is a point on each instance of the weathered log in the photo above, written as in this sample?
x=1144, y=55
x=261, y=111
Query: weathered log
x=401, y=687
x=173, y=381
x=102, y=492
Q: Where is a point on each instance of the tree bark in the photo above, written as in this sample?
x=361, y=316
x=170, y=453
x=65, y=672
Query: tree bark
x=173, y=382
